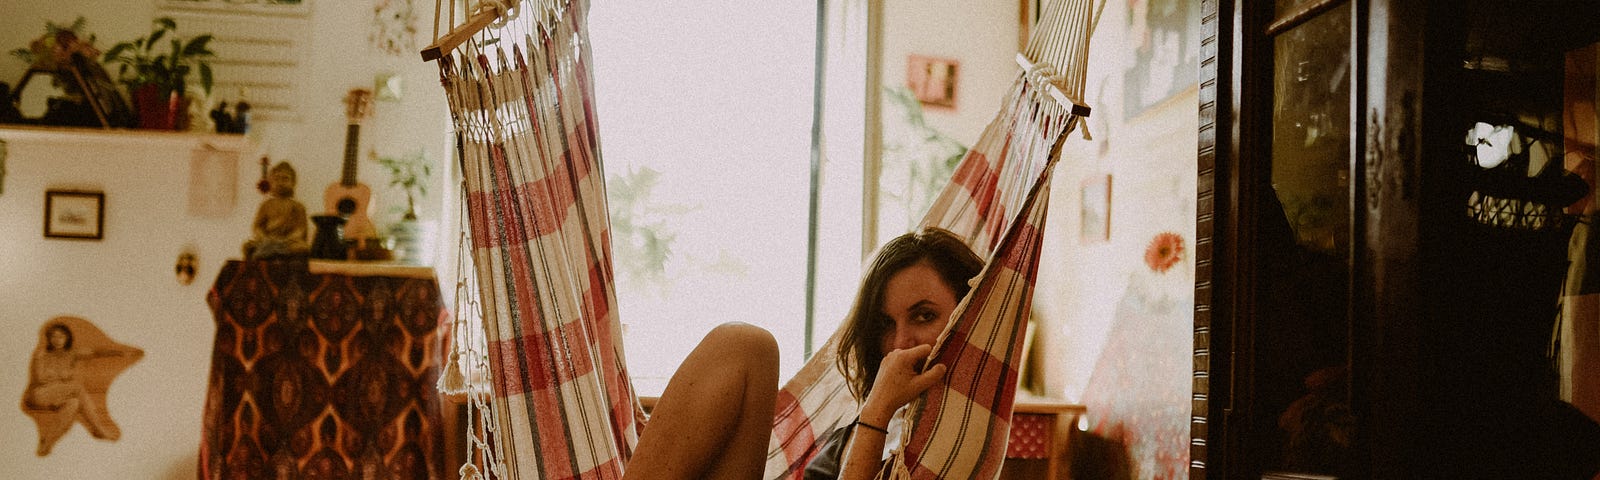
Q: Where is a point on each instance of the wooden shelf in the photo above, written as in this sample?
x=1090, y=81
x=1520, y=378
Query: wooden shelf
x=123, y=136
x=365, y=268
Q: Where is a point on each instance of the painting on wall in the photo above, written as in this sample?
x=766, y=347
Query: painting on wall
x=74, y=214
x=1164, y=61
x=932, y=80
x=71, y=369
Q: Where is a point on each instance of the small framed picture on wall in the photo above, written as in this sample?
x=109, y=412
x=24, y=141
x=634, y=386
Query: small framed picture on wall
x=74, y=214
x=932, y=80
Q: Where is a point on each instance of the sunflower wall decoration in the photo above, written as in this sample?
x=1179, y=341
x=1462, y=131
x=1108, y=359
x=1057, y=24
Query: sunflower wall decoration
x=1164, y=251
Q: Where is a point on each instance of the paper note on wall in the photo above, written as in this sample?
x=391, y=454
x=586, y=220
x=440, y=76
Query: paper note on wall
x=213, y=182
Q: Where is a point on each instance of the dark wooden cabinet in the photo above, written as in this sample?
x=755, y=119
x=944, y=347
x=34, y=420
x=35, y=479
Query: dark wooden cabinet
x=1368, y=303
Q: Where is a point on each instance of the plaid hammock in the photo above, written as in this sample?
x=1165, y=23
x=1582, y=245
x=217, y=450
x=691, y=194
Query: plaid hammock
x=561, y=404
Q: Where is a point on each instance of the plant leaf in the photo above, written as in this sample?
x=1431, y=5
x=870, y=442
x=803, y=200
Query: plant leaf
x=167, y=23
x=115, y=50
x=154, y=37
x=177, y=46
x=197, y=46
x=205, y=77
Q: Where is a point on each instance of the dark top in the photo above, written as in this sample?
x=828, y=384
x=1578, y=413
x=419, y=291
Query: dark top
x=825, y=466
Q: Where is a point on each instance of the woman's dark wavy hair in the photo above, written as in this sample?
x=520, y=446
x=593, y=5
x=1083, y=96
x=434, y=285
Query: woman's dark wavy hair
x=859, y=347
x=53, y=327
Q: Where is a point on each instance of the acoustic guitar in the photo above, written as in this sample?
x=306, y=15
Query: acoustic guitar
x=349, y=197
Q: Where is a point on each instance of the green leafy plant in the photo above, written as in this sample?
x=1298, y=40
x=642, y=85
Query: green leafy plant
x=642, y=233
x=920, y=156
x=410, y=173
x=142, y=63
x=56, y=46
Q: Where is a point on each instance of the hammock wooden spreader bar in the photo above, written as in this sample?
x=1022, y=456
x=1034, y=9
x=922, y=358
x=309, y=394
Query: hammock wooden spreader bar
x=476, y=23
x=480, y=19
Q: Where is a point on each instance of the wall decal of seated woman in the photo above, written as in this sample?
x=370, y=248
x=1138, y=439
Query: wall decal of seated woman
x=71, y=369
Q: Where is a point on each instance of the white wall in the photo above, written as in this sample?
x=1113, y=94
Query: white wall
x=125, y=283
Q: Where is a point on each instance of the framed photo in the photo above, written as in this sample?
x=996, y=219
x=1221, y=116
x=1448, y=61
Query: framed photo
x=74, y=214
x=1094, y=210
x=932, y=80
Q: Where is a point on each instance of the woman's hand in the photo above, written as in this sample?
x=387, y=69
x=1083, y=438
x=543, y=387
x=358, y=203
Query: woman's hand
x=898, y=383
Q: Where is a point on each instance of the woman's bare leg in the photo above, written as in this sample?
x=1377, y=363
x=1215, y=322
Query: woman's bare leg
x=715, y=418
x=97, y=421
x=57, y=424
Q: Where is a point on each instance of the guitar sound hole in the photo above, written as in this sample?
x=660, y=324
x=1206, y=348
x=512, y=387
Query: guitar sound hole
x=346, y=206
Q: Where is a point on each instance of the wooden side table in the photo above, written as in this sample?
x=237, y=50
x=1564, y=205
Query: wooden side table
x=1039, y=444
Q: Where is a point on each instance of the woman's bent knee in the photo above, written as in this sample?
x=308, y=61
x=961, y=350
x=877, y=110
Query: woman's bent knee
x=746, y=340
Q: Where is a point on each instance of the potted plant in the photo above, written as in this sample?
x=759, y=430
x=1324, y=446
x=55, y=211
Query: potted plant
x=67, y=54
x=157, y=77
x=412, y=239
x=410, y=173
x=51, y=51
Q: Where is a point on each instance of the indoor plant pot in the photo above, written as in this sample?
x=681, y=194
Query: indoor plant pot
x=156, y=78
x=158, y=110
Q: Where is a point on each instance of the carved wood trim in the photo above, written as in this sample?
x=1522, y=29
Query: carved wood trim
x=1211, y=50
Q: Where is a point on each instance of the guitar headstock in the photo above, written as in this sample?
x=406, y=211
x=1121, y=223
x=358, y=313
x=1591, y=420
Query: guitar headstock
x=358, y=104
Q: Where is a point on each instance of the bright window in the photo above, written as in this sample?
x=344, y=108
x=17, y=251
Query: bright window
x=705, y=113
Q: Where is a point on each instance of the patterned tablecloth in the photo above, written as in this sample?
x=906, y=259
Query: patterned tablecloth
x=323, y=375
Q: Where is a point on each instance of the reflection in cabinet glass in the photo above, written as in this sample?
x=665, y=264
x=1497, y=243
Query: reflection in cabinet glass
x=1304, y=422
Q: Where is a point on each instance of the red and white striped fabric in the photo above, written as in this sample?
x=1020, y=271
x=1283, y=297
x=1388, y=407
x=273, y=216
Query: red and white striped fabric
x=959, y=429
x=960, y=432
x=996, y=200
x=535, y=197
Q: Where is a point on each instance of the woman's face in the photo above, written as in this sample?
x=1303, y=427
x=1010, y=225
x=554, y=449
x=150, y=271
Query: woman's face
x=58, y=338
x=918, y=304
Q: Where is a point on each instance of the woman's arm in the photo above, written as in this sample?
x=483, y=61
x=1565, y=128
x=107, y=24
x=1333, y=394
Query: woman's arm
x=897, y=384
x=116, y=351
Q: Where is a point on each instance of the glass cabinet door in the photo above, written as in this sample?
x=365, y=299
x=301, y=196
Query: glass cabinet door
x=1302, y=420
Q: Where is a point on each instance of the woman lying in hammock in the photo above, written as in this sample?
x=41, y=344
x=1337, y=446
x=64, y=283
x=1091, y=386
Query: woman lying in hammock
x=715, y=417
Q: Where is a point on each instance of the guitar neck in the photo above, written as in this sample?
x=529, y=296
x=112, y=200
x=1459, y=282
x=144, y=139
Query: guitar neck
x=352, y=141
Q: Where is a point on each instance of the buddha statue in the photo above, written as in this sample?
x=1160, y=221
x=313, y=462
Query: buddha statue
x=280, y=226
